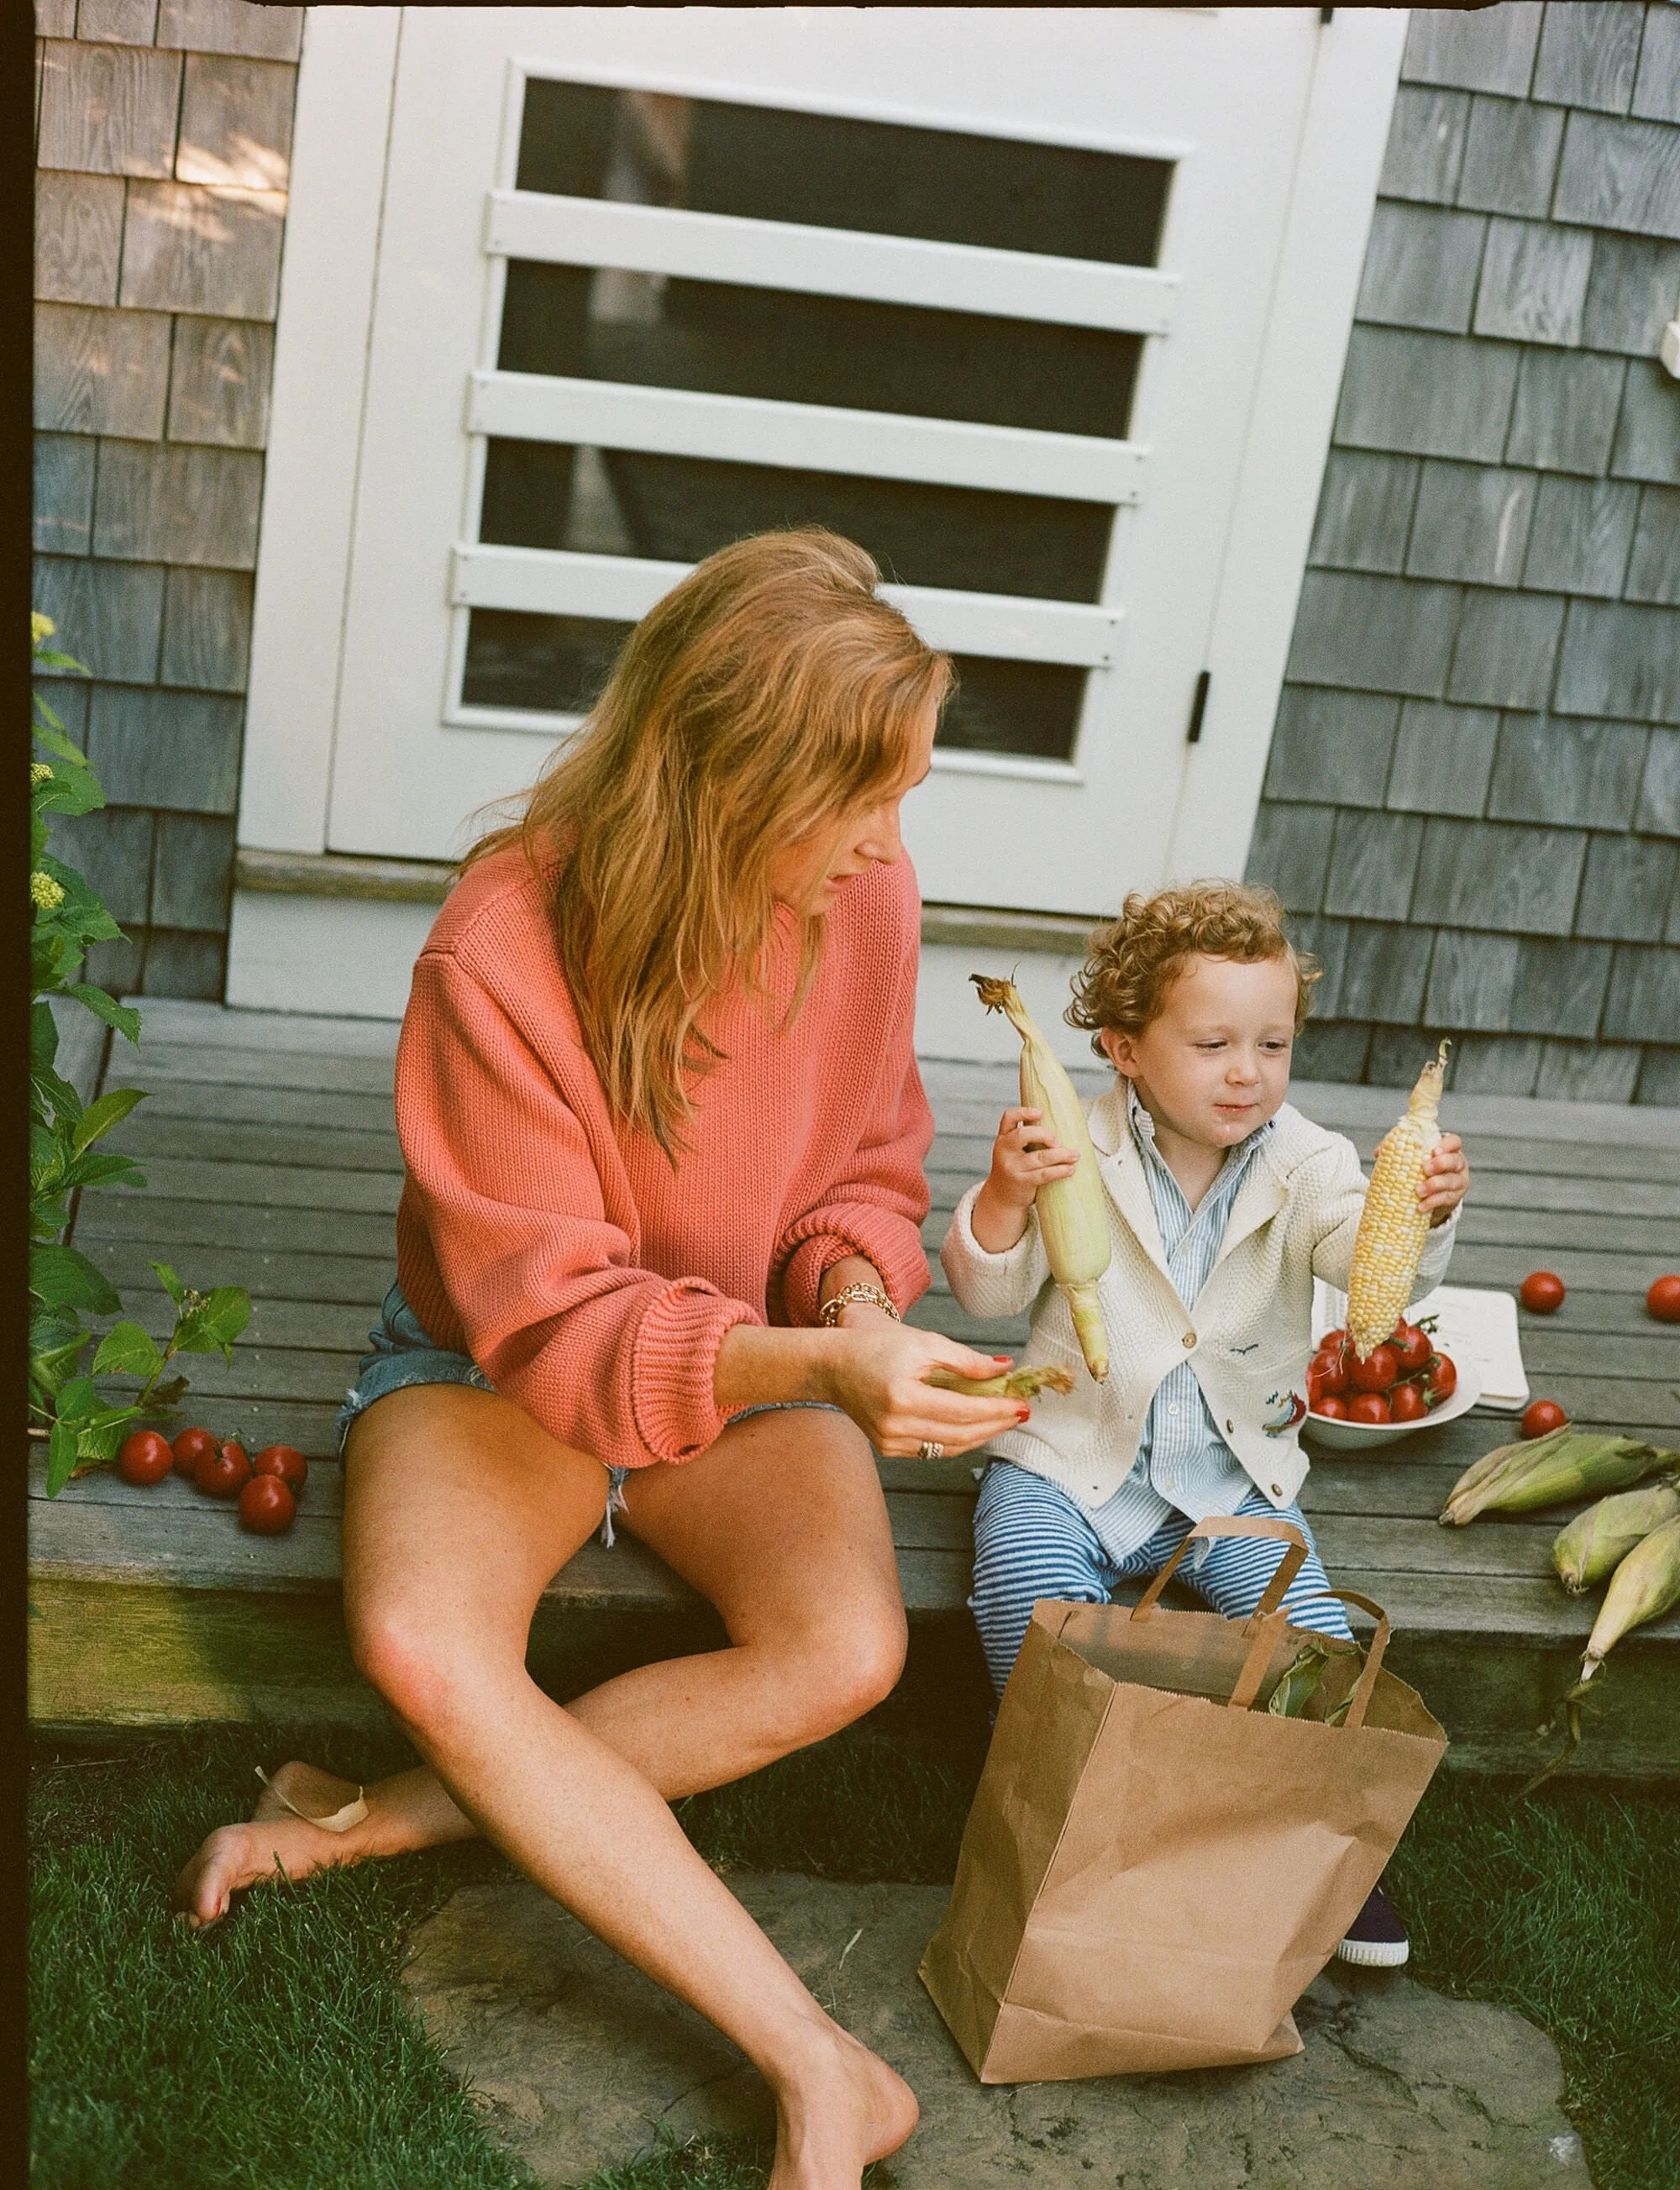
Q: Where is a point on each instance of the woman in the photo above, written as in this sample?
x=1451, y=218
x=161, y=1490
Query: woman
x=664, y=1133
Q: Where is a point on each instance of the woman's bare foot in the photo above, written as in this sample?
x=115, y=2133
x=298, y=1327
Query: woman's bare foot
x=847, y=2109
x=275, y=1840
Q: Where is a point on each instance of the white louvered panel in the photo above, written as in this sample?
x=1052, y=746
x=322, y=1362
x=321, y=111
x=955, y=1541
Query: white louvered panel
x=759, y=430
x=765, y=254
x=621, y=588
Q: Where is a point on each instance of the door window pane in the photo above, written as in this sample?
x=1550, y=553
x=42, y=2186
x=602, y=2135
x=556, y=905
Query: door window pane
x=727, y=340
x=830, y=171
x=677, y=509
x=557, y=664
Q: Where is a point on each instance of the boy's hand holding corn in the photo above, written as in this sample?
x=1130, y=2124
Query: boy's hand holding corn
x=1025, y=1156
x=1446, y=1178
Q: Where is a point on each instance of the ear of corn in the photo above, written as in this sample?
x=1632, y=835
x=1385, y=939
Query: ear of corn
x=1072, y=1214
x=1023, y=1383
x=1595, y=1542
x=1550, y=1471
x=1393, y=1225
x=1645, y=1586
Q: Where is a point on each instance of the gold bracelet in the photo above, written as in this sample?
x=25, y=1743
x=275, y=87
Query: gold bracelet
x=863, y=1294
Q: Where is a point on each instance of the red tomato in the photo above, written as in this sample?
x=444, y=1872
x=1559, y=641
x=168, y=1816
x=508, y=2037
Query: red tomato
x=224, y=1473
x=266, y=1506
x=1377, y=1372
x=1332, y=1409
x=1663, y=1300
x=190, y=1448
x=1414, y=1348
x=1369, y=1407
x=1406, y=1404
x=1440, y=1380
x=284, y=1461
x=1331, y=1366
x=1544, y=1417
x=145, y=1457
x=1332, y=1339
x=1541, y=1292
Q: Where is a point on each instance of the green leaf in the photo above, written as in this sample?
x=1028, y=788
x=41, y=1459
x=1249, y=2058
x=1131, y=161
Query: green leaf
x=163, y=1398
x=103, y=1439
x=170, y=1282
x=43, y=1034
x=123, y=1016
x=100, y=1117
x=61, y=1457
x=78, y=1400
x=51, y=1329
x=63, y=1277
x=52, y=1366
x=106, y=1168
x=51, y=732
x=212, y=1327
x=127, y=1350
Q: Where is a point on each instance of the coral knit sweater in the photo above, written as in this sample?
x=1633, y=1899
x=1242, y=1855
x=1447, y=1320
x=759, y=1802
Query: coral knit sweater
x=591, y=1281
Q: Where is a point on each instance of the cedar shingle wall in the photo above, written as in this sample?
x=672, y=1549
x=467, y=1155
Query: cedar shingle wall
x=1472, y=802
x=163, y=133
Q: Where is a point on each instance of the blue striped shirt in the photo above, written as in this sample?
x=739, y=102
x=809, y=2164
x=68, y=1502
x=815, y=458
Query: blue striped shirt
x=1182, y=1463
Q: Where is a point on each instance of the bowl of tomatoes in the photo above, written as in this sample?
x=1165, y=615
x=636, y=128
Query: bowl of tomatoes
x=1405, y=1384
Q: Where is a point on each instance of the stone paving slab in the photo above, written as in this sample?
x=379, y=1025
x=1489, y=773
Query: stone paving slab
x=580, y=2060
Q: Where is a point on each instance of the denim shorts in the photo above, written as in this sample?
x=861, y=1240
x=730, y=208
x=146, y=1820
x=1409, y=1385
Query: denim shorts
x=403, y=1354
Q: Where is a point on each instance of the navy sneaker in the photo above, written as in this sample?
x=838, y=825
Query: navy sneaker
x=1377, y=1938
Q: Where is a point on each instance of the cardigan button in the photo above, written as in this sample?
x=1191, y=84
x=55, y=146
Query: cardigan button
x=1231, y=1429
x=1277, y=1491
x=1189, y=1338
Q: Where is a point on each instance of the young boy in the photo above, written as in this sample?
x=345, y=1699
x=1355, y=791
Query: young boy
x=1224, y=1203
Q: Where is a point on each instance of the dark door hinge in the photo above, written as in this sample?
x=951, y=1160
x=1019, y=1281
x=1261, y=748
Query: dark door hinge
x=1199, y=707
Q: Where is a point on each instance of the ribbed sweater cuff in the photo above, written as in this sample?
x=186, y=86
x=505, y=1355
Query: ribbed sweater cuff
x=890, y=1242
x=674, y=1365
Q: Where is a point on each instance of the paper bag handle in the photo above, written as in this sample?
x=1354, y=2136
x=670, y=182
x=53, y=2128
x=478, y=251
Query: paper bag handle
x=1236, y=1524
x=1375, y=1651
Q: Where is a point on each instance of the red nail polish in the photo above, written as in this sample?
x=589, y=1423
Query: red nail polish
x=1023, y=1413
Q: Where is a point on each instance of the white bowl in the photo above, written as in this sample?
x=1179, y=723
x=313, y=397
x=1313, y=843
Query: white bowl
x=1365, y=1437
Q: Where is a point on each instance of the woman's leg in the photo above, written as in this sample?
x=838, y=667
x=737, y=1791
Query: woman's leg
x=783, y=1526
x=1030, y=1541
x=458, y=1511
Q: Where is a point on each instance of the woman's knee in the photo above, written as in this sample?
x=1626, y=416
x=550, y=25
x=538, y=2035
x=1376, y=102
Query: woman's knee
x=427, y=1672
x=833, y=1671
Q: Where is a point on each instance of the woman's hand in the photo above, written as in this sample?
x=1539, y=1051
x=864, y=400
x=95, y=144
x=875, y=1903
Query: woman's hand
x=877, y=1373
x=1025, y=1156
x=1446, y=1179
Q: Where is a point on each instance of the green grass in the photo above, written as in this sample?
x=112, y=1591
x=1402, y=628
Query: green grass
x=278, y=2053
x=1566, y=1907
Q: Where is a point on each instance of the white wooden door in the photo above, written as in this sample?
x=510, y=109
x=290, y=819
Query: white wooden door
x=987, y=289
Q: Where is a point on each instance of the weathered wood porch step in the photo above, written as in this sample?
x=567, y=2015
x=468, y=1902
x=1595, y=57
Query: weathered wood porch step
x=273, y=1164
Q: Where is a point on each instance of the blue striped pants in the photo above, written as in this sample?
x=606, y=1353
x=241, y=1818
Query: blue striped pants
x=1031, y=1541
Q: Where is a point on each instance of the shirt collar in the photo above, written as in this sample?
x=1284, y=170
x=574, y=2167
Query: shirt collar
x=1143, y=1133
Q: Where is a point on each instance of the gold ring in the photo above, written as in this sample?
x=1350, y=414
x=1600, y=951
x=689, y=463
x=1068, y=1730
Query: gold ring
x=928, y=1450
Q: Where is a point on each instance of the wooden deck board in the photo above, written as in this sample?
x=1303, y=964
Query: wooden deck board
x=274, y=1164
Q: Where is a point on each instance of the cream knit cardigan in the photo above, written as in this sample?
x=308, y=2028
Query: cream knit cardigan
x=1248, y=1335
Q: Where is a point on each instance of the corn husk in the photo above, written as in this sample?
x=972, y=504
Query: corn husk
x=1550, y=1471
x=1393, y=1225
x=1073, y=1214
x=1645, y=1586
x=1595, y=1543
x=1025, y=1382
x=1289, y=1697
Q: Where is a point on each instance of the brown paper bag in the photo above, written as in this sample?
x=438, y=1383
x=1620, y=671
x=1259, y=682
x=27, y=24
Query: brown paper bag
x=1155, y=1868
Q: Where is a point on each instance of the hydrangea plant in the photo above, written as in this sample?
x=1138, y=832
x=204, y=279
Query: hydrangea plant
x=82, y=1425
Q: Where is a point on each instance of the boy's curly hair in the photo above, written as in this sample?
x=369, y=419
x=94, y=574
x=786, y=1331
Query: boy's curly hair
x=1134, y=960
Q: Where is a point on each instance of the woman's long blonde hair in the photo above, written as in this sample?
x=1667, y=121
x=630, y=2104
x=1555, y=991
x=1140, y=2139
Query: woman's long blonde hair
x=766, y=697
